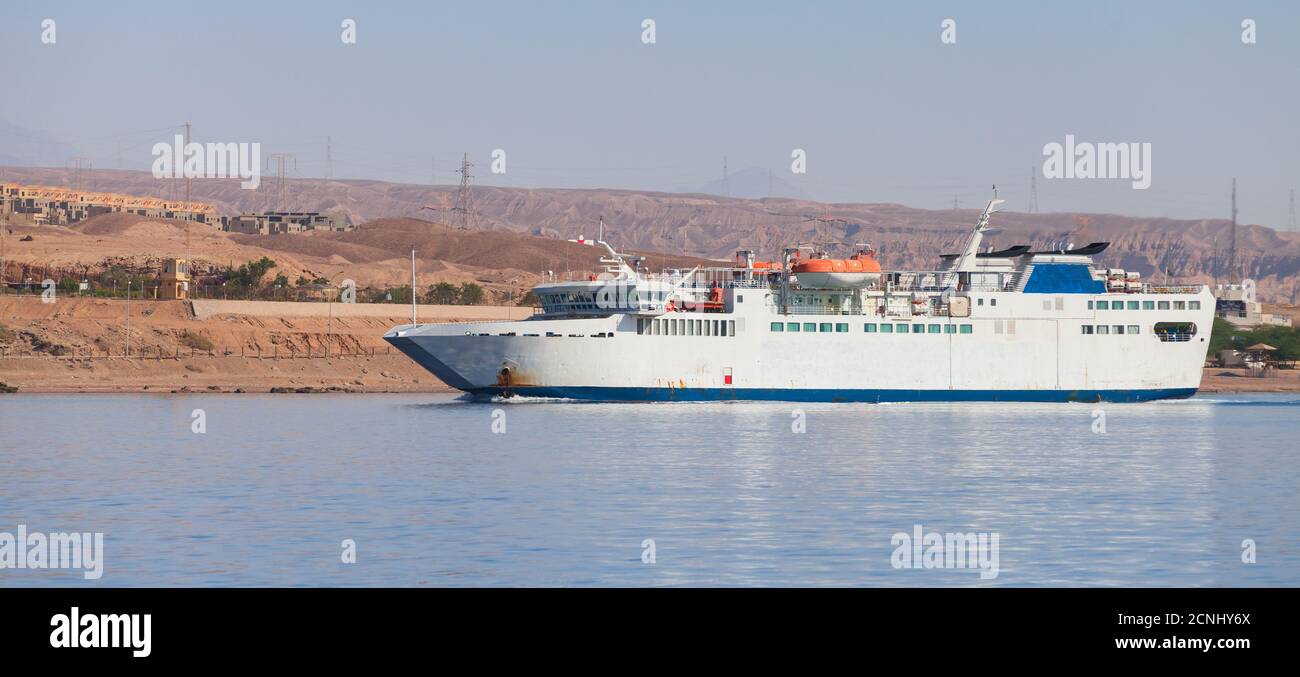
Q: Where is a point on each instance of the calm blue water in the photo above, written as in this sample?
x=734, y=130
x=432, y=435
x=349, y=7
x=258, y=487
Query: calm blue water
x=729, y=494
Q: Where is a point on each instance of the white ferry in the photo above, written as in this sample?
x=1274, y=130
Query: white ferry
x=1009, y=325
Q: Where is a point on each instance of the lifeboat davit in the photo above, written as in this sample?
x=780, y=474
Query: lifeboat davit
x=859, y=270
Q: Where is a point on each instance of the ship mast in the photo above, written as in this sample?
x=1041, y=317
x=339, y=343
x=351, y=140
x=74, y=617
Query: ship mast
x=966, y=260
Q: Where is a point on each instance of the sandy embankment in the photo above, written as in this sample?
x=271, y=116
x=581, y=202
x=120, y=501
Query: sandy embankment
x=1220, y=380
x=284, y=333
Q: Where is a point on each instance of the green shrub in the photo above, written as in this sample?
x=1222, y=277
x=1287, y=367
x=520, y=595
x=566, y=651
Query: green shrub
x=190, y=339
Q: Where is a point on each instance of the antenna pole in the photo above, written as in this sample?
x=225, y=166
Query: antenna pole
x=414, y=323
x=1290, y=224
x=1033, y=190
x=1232, y=241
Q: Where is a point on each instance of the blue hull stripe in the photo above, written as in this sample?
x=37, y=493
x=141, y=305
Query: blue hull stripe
x=610, y=394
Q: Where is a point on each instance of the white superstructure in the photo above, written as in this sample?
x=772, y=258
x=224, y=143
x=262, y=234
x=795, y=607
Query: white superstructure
x=1014, y=325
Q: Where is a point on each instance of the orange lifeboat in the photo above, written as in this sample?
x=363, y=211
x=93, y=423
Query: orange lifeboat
x=860, y=270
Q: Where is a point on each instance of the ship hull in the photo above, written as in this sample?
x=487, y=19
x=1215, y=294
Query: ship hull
x=1033, y=353
x=666, y=394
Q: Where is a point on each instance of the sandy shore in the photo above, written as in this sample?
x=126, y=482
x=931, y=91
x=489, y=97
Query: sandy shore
x=257, y=347
x=1219, y=380
x=77, y=345
x=393, y=373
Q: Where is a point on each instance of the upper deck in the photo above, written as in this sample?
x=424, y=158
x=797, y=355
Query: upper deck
x=621, y=288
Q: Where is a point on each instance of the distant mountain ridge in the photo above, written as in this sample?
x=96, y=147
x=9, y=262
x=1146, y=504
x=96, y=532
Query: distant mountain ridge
x=715, y=226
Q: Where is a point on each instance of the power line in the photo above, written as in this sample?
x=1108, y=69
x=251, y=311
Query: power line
x=187, y=195
x=464, y=209
x=1290, y=221
x=78, y=164
x=1033, y=190
x=1232, y=238
x=281, y=160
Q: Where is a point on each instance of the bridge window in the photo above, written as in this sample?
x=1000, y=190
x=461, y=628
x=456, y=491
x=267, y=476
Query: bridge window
x=1133, y=329
x=869, y=327
x=1180, y=305
x=934, y=329
x=1132, y=305
x=1163, y=305
x=841, y=328
x=1103, y=305
x=778, y=326
x=825, y=327
x=1087, y=329
x=1103, y=329
x=1193, y=305
x=902, y=328
x=950, y=329
x=1148, y=305
x=966, y=329
x=792, y=326
x=810, y=326
x=886, y=328
x=1119, y=329
x=731, y=327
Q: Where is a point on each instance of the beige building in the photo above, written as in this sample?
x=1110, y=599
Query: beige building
x=174, y=281
x=283, y=223
x=60, y=206
x=1236, y=303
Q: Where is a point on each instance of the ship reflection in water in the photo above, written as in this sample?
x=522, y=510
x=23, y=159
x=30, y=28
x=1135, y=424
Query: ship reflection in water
x=435, y=490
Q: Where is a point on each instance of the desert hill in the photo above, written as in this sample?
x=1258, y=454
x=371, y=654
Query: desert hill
x=376, y=254
x=711, y=226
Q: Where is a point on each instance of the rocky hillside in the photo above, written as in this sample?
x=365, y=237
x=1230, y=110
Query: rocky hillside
x=713, y=226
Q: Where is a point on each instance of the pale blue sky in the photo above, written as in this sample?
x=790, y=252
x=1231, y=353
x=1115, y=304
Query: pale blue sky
x=885, y=111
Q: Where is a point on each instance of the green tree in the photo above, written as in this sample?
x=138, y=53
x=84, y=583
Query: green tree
x=470, y=294
x=249, y=274
x=1225, y=336
x=400, y=295
x=443, y=293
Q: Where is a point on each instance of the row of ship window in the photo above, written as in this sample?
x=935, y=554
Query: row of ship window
x=1111, y=329
x=1145, y=305
x=872, y=328
x=687, y=327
